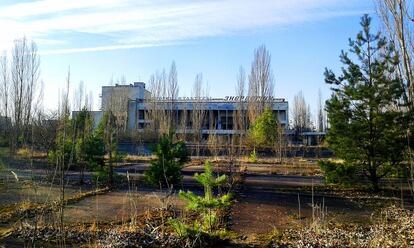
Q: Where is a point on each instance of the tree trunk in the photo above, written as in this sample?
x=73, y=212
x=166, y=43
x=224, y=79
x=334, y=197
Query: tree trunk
x=111, y=172
x=374, y=180
x=82, y=174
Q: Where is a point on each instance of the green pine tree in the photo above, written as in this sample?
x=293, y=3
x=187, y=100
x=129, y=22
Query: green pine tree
x=209, y=204
x=89, y=146
x=165, y=170
x=367, y=124
x=107, y=132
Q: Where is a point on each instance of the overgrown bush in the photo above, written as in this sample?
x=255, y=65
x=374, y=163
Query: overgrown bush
x=165, y=170
x=91, y=150
x=101, y=177
x=66, y=151
x=338, y=172
x=4, y=142
x=2, y=166
x=265, y=131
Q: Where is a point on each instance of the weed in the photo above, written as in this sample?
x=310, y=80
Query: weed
x=253, y=156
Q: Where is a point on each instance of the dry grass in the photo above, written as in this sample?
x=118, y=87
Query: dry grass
x=24, y=209
x=393, y=227
x=11, y=211
x=138, y=158
x=26, y=153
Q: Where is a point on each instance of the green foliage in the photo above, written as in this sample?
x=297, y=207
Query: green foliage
x=338, y=172
x=165, y=170
x=91, y=150
x=188, y=232
x=2, y=166
x=208, y=205
x=253, y=156
x=4, y=152
x=107, y=130
x=264, y=132
x=185, y=230
x=64, y=150
x=367, y=124
x=102, y=177
x=4, y=141
x=83, y=122
x=118, y=156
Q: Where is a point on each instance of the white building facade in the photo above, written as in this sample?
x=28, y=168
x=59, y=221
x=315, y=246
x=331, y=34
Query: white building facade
x=219, y=112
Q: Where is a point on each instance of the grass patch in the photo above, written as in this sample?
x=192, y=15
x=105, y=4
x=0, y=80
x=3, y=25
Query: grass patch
x=4, y=152
x=392, y=227
x=137, y=158
x=28, y=209
x=26, y=153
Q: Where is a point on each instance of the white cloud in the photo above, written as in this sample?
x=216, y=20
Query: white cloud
x=101, y=48
x=43, y=7
x=131, y=24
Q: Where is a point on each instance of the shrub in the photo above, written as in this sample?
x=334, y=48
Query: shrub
x=253, y=156
x=207, y=206
x=101, y=177
x=65, y=150
x=165, y=170
x=91, y=150
x=4, y=142
x=265, y=131
x=338, y=172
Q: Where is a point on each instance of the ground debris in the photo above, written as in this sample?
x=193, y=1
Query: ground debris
x=393, y=227
x=29, y=209
x=149, y=230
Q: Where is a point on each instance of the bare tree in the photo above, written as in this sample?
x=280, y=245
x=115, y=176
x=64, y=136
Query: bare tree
x=398, y=20
x=301, y=117
x=62, y=162
x=198, y=111
x=240, y=122
x=4, y=84
x=321, y=113
x=118, y=102
x=79, y=97
x=33, y=78
x=25, y=75
x=89, y=100
x=261, y=83
x=172, y=95
x=156, y=103
x=183, y=123
x=4, y=93
x=45, y=130
x=213, y=139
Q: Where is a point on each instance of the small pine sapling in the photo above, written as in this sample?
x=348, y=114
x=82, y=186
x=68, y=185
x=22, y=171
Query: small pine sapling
x=209, y=205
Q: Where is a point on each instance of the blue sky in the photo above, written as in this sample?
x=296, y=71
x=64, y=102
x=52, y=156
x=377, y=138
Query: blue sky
x=99, y=39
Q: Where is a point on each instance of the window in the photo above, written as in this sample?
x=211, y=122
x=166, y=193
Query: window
x=141, y=115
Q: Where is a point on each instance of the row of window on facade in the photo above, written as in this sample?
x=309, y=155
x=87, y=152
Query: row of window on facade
x=212, y=119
